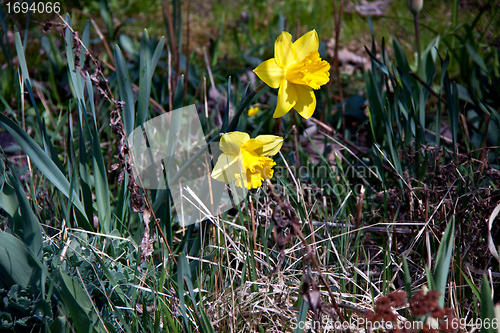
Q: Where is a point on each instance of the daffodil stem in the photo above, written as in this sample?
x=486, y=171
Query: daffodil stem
x=417, y=41
x=243, y=106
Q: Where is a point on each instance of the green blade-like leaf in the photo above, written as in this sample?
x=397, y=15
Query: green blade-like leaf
x=476, y=57
x=144, y=79
x=444, y=68
x=225, y=121
x=74, y=73
x=189, y=282
x=443, y=260
x=377, y=62
x=487, y=310
x=5, y=46
x=407, y=277
x=430, y=279
x=179, y=94
x=471, y=284
x=100, y=172
x=429, y=55
x=18, y=265
x=101, y=185
x=181, y=272
x=85, y=40
x=401, y=60
x=47, y=144
x=84, y=170
x=8, y=198
x=29, y=231
x=174, y=128
x=453, y=109
x=20, y=55
x=156, y=56
x=304, y=307
x=125, y=90
x=243, y=105
x=77, y=302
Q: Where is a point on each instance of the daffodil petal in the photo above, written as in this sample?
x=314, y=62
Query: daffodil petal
x=306, y=44
x=249, y=165
x=283, y=50
x=227, y=167
x=231, y=143
x=270, y=72
x=287, y=97
x=271, y=145
x=306, y=101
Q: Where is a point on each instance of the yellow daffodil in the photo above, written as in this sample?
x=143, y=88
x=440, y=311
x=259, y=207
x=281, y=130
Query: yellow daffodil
x=296, y=70
x=246, y=161
x=253, y=111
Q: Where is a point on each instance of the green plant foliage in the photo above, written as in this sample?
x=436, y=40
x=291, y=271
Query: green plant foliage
x=21, y=310
x=383, y=189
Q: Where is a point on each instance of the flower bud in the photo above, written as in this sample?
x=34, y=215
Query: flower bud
x=415, y=6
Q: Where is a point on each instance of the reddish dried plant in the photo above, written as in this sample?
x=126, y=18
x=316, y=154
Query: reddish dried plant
x=421, y=305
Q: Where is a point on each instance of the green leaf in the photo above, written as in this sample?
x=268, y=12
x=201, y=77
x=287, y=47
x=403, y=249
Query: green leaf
x=444, y=68
x=18, y=265
x=125, y=90
x=174, y=128
x=189, y=282
x=156, y=56
x=100, y=172
x=20, y=54
x=304, y=307
x=179, y=94
x=443, y=260
x=6, y=49
x=82, y=167
x=407, y=277
x=47, y=144
x=144, y=79
x=400, y=55
x=476, y=57
x=430, y=279
x=59, y=325
x=226, y=114
x=243, y=105
x=27, y=226
x=429, y=55
x=182, y=270
x=8, y=199
x=101, y=185
x=85, y=40
x=377, y=62
x=487, y=310
x=77, y=302
x=74, y=74
x=453, y=109
x=471, y=284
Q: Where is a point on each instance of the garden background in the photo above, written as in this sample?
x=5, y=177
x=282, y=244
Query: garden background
x=382, y=206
